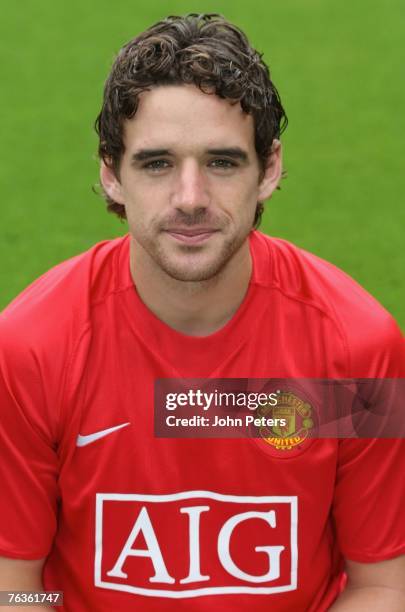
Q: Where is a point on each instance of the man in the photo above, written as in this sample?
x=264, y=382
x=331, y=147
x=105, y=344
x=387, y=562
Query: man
x=96, y=506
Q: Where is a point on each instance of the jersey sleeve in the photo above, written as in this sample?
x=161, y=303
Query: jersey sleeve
x=369, y=501
x=28, y=458
x=44, y=334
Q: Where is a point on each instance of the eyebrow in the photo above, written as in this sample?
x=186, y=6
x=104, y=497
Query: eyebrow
x=143, y=154
x=233, y=152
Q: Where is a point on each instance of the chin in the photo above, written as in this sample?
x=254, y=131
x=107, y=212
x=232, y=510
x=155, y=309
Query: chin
x=187, y=272
x=192, y=265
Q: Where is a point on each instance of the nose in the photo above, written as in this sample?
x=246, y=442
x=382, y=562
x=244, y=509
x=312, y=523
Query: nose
x=190, y=189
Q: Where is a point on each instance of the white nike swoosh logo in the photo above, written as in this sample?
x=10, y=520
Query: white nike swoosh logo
x=84, y=440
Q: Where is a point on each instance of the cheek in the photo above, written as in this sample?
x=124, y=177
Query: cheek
x=139, y=218
x=146, y=196
x=242, y=202
x=139, y=202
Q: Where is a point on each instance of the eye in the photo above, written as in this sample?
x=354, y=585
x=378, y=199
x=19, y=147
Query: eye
x=156, y=165
x=223, y=164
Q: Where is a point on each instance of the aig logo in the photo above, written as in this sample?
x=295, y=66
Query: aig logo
x=195, y=543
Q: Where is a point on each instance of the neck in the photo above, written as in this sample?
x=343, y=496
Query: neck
x=193, y=308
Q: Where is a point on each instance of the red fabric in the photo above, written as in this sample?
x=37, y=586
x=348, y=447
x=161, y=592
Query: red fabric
x=80, y=353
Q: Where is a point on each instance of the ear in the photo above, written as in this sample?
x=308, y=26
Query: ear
x=110, y=183
x=272, y=172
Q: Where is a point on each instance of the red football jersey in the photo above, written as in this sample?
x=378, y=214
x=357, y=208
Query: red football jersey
x=129, y=521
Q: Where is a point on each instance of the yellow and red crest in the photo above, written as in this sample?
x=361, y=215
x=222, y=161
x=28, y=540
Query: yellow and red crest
x=298, y=417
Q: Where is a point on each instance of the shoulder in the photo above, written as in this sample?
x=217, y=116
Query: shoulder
x=54, y=311
x=363, y=323
x=69, y=288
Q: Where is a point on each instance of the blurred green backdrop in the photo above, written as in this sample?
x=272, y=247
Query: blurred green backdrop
x=338, y=66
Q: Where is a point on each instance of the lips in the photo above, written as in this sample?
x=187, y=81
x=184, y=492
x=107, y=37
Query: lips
x=193, y=235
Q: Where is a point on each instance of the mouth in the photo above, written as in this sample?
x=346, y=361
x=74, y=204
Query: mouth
x=191, y=235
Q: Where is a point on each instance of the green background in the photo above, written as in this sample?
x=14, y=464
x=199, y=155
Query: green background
x=338, y=66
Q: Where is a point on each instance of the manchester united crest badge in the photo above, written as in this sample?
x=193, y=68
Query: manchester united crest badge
x=297, y=418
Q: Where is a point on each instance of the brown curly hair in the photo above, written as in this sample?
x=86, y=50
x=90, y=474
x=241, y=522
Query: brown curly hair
x=200, y=49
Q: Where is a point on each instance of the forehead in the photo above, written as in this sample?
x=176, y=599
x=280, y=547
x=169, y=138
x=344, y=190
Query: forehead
x=182, y=116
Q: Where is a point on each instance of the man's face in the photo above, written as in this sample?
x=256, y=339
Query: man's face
x=189, y=180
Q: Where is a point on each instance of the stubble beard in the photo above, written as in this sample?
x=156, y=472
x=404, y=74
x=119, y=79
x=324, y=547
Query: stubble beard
x=192, y=264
